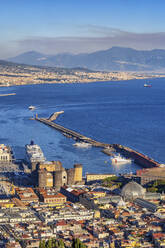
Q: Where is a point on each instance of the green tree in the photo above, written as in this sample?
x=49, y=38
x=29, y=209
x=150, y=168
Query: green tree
x=42, y=244
x=61, y=244
x=77, y=244
x=49, y=244
x=152, y=189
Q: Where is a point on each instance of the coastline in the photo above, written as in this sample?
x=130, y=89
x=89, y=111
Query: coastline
x=31, y=75
x=78, y=81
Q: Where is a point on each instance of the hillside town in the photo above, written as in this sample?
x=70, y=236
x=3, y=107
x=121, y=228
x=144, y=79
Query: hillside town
x=15, y=74
x=42, y=204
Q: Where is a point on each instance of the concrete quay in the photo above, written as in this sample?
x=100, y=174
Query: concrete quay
x=73, y=134
x=138, y=157
x=108, y=149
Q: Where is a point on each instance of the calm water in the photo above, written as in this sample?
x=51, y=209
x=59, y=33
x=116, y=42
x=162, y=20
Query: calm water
x=111, y=112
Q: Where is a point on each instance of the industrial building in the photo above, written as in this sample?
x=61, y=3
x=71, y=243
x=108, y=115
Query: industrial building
x=90, y=177
x=152, y=174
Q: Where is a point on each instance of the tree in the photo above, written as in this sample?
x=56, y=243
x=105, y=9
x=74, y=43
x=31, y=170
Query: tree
x=61, y=244
x=49, y=244
x=78, y=244
x=42, y=244
x=152, y=189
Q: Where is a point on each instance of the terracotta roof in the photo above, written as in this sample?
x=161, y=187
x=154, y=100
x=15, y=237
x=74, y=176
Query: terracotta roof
x=158, y=235
x=61, y=223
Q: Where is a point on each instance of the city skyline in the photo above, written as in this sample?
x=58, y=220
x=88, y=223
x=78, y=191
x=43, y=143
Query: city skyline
x=53, y=27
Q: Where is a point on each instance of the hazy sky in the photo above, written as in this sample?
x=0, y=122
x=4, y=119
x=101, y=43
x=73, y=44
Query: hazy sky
x=76, y=26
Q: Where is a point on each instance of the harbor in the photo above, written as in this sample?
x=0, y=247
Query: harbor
x=109, y=149
x=77, y=136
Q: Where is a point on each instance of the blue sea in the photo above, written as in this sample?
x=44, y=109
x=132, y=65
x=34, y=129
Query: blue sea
x=123, y=112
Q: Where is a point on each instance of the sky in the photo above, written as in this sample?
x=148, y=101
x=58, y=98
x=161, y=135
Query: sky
x=80, y=26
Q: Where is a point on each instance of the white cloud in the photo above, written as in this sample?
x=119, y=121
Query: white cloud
x=100, y=38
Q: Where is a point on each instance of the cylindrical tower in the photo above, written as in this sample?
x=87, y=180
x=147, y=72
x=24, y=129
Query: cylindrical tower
x=78, y=172
x=58, y=165
x=49, y=180
x=70, y=176
x=42, y=175
x=60, y=178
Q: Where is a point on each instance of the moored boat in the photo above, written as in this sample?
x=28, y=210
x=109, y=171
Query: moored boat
x=31, y=107
x=118, y=159
x=34, y=154
x=147, y=85
x=82, y=144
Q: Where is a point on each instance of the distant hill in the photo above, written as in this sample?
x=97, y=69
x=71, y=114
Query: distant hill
x=113, y=59
x=21, y=67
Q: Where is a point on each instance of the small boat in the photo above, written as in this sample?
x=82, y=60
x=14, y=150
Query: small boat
x=82, y=144
x=31, y=107
x=117, y=159
x=147, y=85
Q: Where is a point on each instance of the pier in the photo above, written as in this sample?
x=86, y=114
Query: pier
x=9, y=94
x=138, y=157
x=108, y=149
x=73, y=134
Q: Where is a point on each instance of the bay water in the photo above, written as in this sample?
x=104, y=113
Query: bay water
x=123, y=112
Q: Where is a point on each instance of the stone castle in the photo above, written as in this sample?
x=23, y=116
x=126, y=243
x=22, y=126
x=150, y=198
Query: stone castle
x=53, y=174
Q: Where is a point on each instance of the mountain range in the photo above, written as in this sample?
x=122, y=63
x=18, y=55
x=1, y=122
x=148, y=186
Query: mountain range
x=113, y=59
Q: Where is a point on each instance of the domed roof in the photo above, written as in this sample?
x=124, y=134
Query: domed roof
x=132, y=190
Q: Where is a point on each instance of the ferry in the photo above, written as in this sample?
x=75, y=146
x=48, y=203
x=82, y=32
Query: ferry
x=117, y=159
x=34, y=153
x=82, y=145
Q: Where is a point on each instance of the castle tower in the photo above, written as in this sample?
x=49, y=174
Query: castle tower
x=70, y=176
x=42, y=176
x=78, y=173
x=49, y=180
x=51, y=166
x=60, y=178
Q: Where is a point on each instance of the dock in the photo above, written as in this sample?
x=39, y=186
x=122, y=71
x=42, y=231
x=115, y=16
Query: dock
x=71, y=133
x=109, y=149
x=138, y=157
x=9, y=94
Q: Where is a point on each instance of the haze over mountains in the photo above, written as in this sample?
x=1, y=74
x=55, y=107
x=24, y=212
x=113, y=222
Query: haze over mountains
x=113, y=59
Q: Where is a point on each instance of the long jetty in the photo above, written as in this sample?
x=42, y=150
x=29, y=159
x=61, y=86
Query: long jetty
x=73, y=134
x=138, y=157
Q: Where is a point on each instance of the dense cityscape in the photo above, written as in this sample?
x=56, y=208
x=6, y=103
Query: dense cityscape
x=45, y=205
x=95, y=178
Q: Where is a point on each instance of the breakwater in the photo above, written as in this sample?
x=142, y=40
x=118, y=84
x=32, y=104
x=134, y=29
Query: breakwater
x=9, y=94
x=138, y=157
x=73, y=134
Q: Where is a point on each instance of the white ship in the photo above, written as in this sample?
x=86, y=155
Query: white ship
x=82, y=144
x=31, y=107
x=147, y=85
x=120, y=160
x=34, y=153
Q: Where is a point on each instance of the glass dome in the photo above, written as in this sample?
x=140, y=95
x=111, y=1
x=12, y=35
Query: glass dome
x=133, y=190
